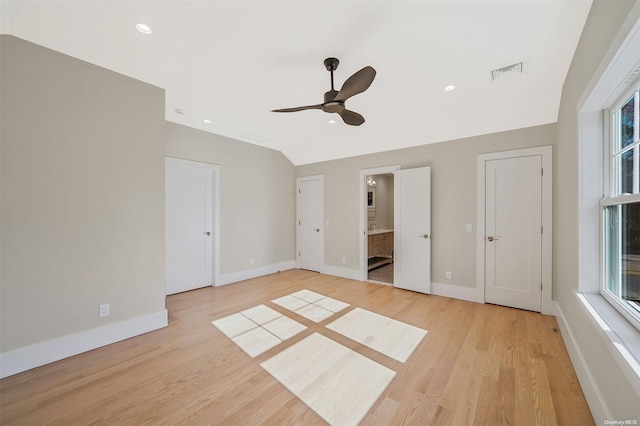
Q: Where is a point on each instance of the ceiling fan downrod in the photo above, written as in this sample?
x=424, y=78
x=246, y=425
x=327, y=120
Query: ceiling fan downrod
x=331, y=64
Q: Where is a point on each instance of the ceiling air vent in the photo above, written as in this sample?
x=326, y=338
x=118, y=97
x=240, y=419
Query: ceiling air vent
x=507, y=72
x=632, y=75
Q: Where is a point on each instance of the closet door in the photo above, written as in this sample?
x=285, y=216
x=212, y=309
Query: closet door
x=310, y=229
x=513, y=228
x=189, y=224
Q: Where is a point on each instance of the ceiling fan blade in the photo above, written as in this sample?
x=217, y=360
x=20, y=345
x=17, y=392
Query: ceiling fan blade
x=357, y=83
x=351, y=118
x=302, y=108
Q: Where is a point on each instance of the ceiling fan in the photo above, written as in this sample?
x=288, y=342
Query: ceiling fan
x=334, y=100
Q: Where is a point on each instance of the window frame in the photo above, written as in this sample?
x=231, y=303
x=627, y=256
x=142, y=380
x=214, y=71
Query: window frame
x=612, y=196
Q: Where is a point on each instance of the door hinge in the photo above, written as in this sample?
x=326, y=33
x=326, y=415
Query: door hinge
x=298, y=222
x=542, y=229
x=298, y=254
x=540, y=286
x=541, y=172
x=299, y=191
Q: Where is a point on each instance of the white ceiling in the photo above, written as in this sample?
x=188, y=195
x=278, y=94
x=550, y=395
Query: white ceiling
x=234, y=61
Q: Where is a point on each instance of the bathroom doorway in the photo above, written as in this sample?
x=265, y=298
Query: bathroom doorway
x=379, y=233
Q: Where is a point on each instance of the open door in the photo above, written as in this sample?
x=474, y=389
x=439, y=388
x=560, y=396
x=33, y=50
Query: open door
x=412, y=226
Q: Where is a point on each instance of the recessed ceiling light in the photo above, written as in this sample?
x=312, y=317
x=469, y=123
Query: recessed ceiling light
x=144, y=29
x=207, y=121
x=332, y=121
x=450, y=88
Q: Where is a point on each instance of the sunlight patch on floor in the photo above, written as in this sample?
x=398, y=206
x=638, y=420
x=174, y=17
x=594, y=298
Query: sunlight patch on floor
x=383, y=334
x=337, y=383
x=258, y=329
x=313, y=306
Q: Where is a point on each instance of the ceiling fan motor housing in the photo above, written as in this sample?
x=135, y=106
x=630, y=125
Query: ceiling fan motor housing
x=331, y=64
x=333, y=106
x=330, y=95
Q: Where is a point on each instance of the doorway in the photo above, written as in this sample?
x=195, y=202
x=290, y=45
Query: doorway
x=377, y=212
x=514, y=216
x=190, y=224
x=380, y=217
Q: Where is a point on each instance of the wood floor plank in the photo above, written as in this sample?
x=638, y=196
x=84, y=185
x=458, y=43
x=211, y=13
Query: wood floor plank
x=477, y=364
x=487, y=406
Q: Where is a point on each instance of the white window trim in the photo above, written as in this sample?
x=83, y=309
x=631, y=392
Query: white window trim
x=610, y=80
x=624, y=338
x=611, y=138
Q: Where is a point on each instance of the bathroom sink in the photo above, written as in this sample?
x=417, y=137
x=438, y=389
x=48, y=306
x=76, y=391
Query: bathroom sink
x=378, y=231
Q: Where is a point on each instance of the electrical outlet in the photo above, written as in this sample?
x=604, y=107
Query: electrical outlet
x=251, y=261
x=469, y=227
x=448, y=275
x=104, y=310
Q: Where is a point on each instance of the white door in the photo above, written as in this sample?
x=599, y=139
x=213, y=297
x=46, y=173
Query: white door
x=310, y=221
x=513, y=232
x=412, y=229
x=189, y=224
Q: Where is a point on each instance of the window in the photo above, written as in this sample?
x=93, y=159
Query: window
x=621, y=210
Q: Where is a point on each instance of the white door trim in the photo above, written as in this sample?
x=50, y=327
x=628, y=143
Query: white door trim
x=547, y=219
x=215, y=279
x=321, y=225
x=362, y=184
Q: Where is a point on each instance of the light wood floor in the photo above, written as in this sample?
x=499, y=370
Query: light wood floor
x=478, y=364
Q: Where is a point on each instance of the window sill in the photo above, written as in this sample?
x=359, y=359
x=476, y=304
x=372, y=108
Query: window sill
x=624, y=338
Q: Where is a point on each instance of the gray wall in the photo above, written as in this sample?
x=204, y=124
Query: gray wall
x=82, y=195
x=257, y=197
x=453, y=197
x=604, y=21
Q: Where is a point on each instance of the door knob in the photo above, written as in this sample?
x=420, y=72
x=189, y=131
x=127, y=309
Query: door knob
x=425, y=236
x=317, y=229
x=207, y=233
x=492, y=238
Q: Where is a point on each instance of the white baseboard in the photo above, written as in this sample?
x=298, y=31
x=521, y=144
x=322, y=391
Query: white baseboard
x=234, y=277
x=28, y=357
x=448, y=290
x=592, y=394
x=336, y=271
x=470, y=294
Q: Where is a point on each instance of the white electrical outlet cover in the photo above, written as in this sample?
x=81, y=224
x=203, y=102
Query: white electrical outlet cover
x=104, y=310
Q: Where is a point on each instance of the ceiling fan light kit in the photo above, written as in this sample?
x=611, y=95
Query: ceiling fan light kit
x=334, y=100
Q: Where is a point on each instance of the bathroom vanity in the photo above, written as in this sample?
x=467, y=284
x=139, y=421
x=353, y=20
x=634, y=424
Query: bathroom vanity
x=380, y=244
